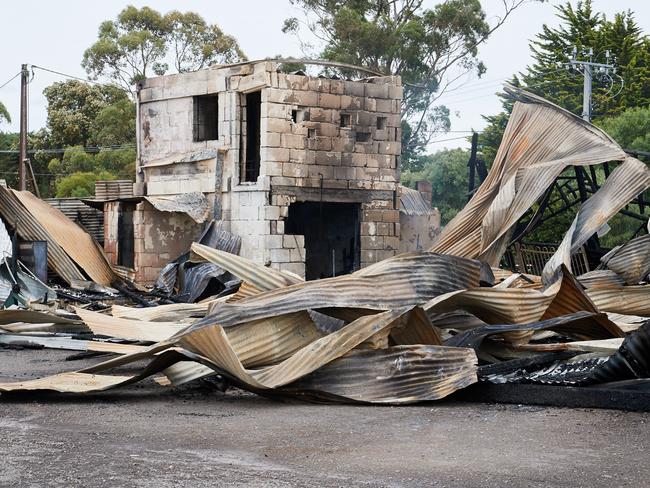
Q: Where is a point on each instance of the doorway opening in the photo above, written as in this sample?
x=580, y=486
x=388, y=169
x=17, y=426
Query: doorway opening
x=331, y=230
x=125, y=235
x=250, y=133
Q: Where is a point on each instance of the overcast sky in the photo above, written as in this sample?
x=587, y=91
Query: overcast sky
x=55, y=34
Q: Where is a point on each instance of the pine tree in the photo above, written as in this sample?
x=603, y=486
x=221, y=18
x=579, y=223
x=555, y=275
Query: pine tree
x=547, y=76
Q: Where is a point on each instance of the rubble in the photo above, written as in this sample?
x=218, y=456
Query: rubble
x=414, y=327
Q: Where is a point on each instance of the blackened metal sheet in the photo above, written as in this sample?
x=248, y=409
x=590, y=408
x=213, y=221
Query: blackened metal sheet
x=579, y=325
x=405, y=280
x=397, y=375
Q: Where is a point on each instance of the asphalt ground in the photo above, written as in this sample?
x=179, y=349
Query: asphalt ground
x=196, y=436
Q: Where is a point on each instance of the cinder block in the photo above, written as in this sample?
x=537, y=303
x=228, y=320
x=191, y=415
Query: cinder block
x=370, y=104
x=396, y=92
x=275, y=124
x=318, y=114
x=271, y=212
x=336, y=184
x=271, y=139
x=295, y=170
x=391, y=242
x=384, y=105
x=319, y=84
x=327, y=100
x=376, y=91
x=291, y=241
x=297, y=255
x=368, y=229
x=349, y=102
x=272, y=168
x=344, y=173
x=273, y=241
x=316, y=171
x=327, y=158
x=354, y=88
x=372, y=242
x=280, y=154
x=291, y=141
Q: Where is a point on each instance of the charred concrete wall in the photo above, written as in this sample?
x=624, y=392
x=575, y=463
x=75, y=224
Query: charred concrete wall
x=319, y=140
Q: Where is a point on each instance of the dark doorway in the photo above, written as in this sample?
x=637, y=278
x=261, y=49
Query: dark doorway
x=331, y=233
x=251, y=136
x=125, y=236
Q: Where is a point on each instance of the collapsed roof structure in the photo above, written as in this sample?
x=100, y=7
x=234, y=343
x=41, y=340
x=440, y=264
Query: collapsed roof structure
x=413, y=327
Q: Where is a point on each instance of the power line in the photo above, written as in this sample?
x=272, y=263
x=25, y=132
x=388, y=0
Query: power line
x=74, y=77
x=61, y=150
x=10, y=79
x=446, y=140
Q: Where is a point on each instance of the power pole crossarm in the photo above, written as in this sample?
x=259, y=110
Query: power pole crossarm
x=587, y=70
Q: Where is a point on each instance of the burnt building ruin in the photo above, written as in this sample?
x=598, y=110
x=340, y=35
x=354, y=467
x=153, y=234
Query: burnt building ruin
x=304, y=169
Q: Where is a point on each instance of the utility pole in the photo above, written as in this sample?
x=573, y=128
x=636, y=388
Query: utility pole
x=587, y=69
x=24, y=75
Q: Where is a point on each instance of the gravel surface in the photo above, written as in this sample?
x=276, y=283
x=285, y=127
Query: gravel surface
x=194, y=436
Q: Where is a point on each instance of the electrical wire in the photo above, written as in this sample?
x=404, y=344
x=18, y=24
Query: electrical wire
x=10, y=80
x=73, y=76
x=61, y=150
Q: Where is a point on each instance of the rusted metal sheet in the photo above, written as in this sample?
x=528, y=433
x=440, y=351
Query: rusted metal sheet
x=407, y=279
x=631, y=261
x=89, y=218
x=77, y=243
x=260, y=276
x=376, y=335
x=396, y=375
x=600, y=278
x=627, y=300
x=540, y=141
x=31, y=229
x=624, y=183
x=411, y=202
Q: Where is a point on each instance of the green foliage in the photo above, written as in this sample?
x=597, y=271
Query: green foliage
x=197, y=45
x=8, y=162
x=4, y=113
x=422, y=45
x=631, y=129
x=73, y=106
x=142, y=42
x=447, y=172
x=582, y=27
x=114, y=125
x=76, y=160
x=74, y=170
x=129, y=48
x=80, y=184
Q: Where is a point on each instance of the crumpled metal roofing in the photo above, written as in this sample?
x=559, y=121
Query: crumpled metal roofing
x=631, y=261
x=30, y=229
x=540, y=141
x=76, y=242
x=407, y=279
x=375, y=336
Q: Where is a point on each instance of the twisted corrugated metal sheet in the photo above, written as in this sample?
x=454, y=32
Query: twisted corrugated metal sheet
x=632, y=260
x=624, y=183
x=540, y=141
x=405, y=280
